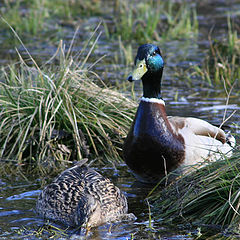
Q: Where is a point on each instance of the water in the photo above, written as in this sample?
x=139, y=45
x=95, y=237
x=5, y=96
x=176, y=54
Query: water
x=17, y=217
x=18, y=198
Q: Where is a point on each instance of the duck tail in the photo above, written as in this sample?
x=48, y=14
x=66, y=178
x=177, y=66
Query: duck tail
x=230, y=139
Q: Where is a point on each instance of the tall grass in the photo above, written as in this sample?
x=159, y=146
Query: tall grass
x=137, y=21
x=154, y=20
x=74, y=9
x=210, y=195
x=221, y=66
x=38, y=17
x=182, y=23
x=25, y=18
x=52, y=116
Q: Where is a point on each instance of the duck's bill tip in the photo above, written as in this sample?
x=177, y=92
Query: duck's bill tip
x=130, y=78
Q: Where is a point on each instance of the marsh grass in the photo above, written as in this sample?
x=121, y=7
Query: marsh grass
x=142, y=21
x=154, y=20
x=52, y=116
x=25, y=17
x=73, y=9
x=37, y=17
x=221, y=66
x=137, y=21
x=182, y=23
x=210, y=195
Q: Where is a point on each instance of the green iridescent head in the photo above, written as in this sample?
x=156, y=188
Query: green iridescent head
x=148, y=60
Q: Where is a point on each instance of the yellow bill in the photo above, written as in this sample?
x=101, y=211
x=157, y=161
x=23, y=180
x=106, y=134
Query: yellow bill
x=139, y=70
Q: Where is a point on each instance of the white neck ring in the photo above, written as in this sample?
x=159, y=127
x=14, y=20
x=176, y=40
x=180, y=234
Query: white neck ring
x=153, y=100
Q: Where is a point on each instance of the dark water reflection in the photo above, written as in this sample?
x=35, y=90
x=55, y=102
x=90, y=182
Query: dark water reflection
x=17, y=199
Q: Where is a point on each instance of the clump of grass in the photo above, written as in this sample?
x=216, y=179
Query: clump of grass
x=51, y=117
x=181, y=23
x=221, y=66
x=25, y=17
x=137, y=21
x=38, y=17
x=153, y=20
x=210, y=195
x=73, y=9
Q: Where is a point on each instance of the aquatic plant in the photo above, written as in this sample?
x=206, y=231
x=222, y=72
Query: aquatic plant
x=38, y=17
x=137, y=21
x=52, y=116
x=47, y=230
x=153, y=20
x=181, y=23
x=221, y=65
x=25, y=17
x=73, y=9
x=209, y=195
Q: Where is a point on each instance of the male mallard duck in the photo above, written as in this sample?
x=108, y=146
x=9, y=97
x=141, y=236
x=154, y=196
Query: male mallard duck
x=157, y=144
x=80, y=196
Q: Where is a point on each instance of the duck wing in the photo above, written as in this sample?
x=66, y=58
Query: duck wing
x=197, y=127
x=203, y=141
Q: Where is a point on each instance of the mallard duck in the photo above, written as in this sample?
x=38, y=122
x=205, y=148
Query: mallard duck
x=80, y=196
x=157, y=144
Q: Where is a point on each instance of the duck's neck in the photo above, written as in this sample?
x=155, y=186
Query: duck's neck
x=151, y=119
x=152, y=85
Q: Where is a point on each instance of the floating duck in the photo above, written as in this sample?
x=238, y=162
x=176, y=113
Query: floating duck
x=80, y=196
x=157, y=144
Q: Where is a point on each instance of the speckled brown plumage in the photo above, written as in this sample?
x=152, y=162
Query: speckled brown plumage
x=81, y=196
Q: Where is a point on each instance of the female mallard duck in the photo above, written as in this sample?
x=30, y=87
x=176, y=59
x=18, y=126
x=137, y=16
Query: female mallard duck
x=157, y=144
x=80, y=196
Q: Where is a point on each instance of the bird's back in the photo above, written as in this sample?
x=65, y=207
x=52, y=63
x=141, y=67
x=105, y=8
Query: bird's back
x=80, y=195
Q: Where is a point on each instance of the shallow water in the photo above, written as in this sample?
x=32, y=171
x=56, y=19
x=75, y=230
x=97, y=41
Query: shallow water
x=17, y=198
x=18, y=220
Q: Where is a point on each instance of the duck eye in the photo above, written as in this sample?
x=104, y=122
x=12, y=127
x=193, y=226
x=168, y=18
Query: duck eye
x=154, y=53
x=141, y=66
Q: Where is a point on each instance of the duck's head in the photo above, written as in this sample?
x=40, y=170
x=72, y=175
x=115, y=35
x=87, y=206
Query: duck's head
x=148, y=67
